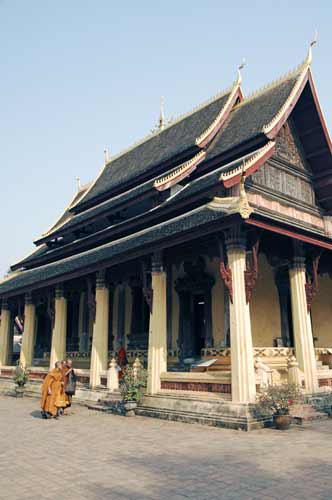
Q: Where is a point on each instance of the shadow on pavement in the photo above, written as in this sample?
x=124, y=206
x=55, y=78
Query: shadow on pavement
x=36, y=414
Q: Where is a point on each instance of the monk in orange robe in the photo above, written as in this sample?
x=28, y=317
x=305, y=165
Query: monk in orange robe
x=52, y=389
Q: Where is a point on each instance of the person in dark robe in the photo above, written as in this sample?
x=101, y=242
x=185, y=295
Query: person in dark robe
x=70, y=381
x=51, y=392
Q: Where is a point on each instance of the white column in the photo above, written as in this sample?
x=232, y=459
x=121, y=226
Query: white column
x=4, y=333
x=242, y=359
x=304, y=344
x=99, y=352
x=58, y=348
x=28, y=336
x=157, y=354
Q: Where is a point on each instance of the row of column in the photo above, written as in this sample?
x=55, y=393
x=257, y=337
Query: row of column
x=99, y=353
x=242, y=355
x=242, y=358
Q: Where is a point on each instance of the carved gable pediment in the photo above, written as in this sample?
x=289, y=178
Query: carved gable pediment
x=288, y=146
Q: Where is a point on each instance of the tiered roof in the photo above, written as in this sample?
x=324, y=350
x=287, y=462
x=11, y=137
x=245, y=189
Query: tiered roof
x=162, y=185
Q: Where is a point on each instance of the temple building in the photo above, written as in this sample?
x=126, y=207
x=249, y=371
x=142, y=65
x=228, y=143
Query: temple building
x=204, y=250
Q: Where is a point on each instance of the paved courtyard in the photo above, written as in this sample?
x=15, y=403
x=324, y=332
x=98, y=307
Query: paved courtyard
x=89, y=455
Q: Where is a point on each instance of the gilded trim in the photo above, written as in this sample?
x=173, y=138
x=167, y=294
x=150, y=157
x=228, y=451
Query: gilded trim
x=180, y=173
x=220, y=119
x=249, y=166
x=272, y=128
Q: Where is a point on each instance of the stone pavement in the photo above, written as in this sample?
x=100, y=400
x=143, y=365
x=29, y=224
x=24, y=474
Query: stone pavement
x=91, y=455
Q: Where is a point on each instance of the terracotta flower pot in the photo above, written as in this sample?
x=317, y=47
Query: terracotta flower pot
x=282, y=422
x=130, y=407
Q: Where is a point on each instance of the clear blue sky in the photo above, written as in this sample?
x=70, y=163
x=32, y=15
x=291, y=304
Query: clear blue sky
x=81, y=74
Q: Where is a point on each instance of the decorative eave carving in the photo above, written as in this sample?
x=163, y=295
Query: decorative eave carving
x=180, y=173
x=233, y=204
x=245, y=209
x=222, y=116
x=249, y=166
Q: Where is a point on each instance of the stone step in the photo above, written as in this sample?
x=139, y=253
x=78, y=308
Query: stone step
x=323, y=368
x=110, y=398
x=213, y=420
x=99, y=407
x=304, y=413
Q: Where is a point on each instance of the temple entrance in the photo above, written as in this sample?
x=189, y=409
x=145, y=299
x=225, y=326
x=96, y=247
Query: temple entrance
x=140, y=317
x=199, y=323
x=195, y=327
x=43, y=333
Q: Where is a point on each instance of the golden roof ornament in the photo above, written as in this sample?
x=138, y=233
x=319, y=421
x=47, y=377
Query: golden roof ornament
x=161, y=123
x=239, y=75
x=244, y=208
x=312, y=44
x=106, y=155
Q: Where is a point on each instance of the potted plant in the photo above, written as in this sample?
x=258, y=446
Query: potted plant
x=20, y=377
x=277, y=401
x=131, y=388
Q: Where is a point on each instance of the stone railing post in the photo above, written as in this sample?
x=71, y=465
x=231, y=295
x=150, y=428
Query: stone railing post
x=58, y=348
x=136, y=368
x=304, y=344
x=4, y=333
x=113, y=376
x=99, y=352
x=28, y=336
x=157, y=354
x=242, y=356
x=294, y=373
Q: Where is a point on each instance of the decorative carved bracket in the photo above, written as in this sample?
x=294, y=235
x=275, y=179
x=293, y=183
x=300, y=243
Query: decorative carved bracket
x=50, y=309
x=251, y=271
x=148, y=295
x=225, y=271
x=311, y=285
x=91, y=299
x=226, y=275
x=147, y=290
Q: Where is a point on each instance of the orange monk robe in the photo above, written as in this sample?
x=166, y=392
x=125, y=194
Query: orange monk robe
x=51, y=392
x=64, y=371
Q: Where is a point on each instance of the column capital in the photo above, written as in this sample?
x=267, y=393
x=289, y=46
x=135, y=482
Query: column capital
x=28, y=299
x=4, y=305
x=59, y=291
x=235, y=239
x=298, y=262
x=101, y=279
x=157, y=265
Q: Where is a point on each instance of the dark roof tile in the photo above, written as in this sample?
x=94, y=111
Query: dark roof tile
x=247, y=119
x=160, y=147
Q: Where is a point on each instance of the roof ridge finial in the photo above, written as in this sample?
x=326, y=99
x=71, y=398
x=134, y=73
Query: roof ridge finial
x=239, y=75
x=106, y=155
x=161, y=124
x=79, y=185
x=312, y=44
